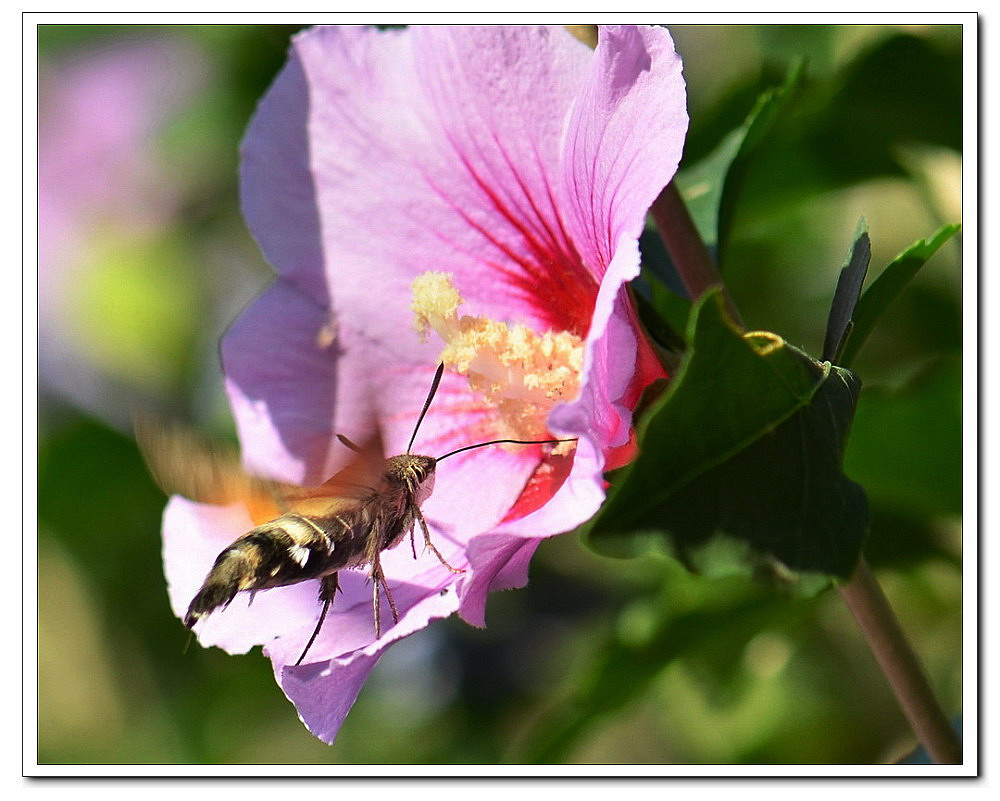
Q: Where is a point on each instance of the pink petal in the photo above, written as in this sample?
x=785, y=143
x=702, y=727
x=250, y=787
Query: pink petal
x=610, y=361
x=630, y=112
x=405, y=184
x=499, y=560
x=287, y=379
x=496, y=562
x=624, y=140
x=324, y=692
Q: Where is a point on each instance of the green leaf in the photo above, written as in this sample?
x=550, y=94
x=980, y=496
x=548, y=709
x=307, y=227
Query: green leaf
x=845, y=297
x=712, y=187
x=769, y=108
x=906, y=444
x=746, y=443
x=701, y=185
x=901, y=90
x=888, y=285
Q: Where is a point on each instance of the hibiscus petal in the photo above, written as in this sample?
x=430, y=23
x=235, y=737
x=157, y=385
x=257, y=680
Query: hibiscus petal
x=499, y=560
x=287, y=379
x=630, y=112
x=610, y=359
x=496, y=562
x=373, y=126
x=324, y=692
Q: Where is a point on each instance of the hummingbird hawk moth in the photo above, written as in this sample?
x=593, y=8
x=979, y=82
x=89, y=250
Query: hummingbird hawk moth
x=305, y=533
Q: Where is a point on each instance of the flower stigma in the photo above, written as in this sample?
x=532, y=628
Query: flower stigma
x=519, y=372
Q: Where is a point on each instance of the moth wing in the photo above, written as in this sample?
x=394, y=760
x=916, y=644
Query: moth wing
x=361, y=475
x=184, y=462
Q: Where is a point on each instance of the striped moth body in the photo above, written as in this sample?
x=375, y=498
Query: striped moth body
x=317, y=539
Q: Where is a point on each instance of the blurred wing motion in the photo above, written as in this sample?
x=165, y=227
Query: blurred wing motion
x=357, y=479
x=184, y=462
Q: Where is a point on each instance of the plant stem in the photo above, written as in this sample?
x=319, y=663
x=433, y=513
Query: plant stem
x=861, y=593
x=887, y=641
x=694, y=264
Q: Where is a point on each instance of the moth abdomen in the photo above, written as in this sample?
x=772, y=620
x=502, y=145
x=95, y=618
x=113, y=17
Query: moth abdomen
x=287, y=550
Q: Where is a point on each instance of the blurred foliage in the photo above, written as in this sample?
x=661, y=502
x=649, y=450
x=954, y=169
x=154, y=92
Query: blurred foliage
x=598, y=660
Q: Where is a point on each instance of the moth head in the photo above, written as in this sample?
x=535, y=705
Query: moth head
x=415, y=472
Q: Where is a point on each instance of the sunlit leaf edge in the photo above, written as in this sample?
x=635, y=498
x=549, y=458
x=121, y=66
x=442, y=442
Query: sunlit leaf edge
x=888, y=285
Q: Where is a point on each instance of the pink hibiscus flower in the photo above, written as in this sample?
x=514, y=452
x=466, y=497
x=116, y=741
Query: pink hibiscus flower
x=489, y=185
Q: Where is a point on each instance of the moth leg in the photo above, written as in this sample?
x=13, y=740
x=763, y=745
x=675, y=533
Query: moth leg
x=327, y=589
x=413, y=541
x=378, y=580
x=429, y=544
x=376, y=611
x=392, y=603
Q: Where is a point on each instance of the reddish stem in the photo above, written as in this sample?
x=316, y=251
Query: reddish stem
x=694, y=264
x=865, y=599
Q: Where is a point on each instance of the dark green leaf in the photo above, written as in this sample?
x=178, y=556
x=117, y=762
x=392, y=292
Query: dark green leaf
x=845, y=298
x=747, y=442
x=906, y=444
x=851, y=127
x=901, y=90
x=785, y=495
x=888, y=285
x=768, y=109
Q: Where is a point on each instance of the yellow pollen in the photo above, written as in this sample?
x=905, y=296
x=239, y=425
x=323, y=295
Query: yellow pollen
x=521, y=373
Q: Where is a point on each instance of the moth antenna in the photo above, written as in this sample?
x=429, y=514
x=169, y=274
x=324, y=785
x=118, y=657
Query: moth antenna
x=345, y=441
x=505, y=441
x=427, y=403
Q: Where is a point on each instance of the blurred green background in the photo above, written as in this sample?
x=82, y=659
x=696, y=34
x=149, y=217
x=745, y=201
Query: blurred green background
x=144, y=260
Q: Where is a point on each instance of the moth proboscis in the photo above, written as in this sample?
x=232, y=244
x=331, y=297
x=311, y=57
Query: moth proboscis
x=303, y=533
